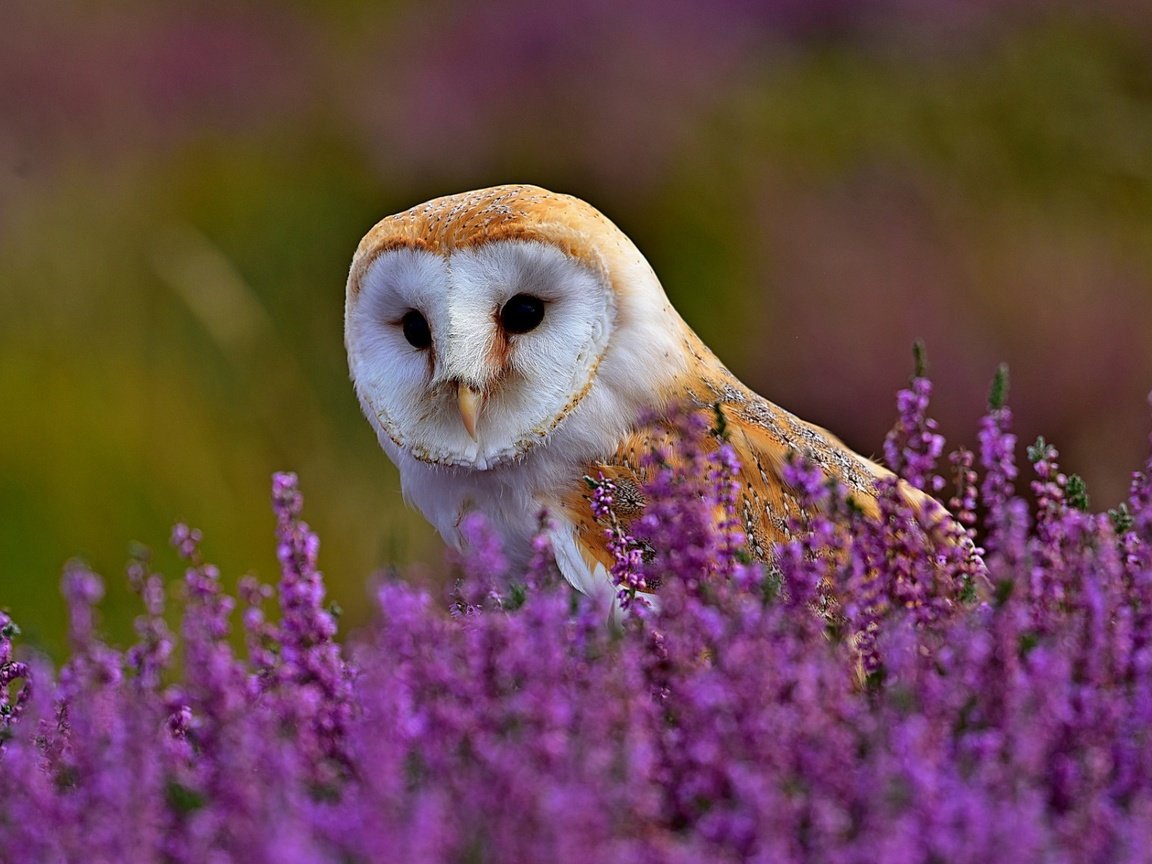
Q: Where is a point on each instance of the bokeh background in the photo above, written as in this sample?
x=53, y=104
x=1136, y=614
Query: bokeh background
x=819, y=183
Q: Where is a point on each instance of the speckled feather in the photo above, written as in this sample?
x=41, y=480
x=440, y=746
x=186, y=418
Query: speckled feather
x=764, y=437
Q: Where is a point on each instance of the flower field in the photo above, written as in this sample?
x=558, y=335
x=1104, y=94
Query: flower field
x=935, y=709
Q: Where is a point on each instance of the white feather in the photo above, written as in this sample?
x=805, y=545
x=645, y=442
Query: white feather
x=608, y=351
x=596, y=582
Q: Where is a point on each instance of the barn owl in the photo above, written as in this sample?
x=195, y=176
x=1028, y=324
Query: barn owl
x=505, y=343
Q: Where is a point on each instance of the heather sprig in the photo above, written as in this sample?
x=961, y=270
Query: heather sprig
x=484, y=568
x=913, y=446
x=626, y=552
x=963, y=502
x=152, y=653
x=313, y=681
x=1005, y=517
x=810, y=562
x=690, y=524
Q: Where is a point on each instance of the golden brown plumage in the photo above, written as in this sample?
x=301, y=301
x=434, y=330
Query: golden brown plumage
x=764, y=437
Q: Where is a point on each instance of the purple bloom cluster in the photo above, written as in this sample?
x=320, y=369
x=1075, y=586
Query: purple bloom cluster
x=913, y=446
x=873, y=696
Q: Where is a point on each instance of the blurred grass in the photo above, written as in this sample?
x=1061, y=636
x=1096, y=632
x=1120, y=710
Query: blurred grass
x=135, y=411
x=171, y=284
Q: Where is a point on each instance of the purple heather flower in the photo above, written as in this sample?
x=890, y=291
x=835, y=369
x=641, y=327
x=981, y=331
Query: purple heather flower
x=483, y=565
x=542, y=568
x=313, y=680
x=998, y=456
x=849, y=704
x=913, y=446
x=963, y=503
x=627, y=553
x=150, y=656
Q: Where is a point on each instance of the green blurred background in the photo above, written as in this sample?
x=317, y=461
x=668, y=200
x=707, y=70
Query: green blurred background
x=818, y=182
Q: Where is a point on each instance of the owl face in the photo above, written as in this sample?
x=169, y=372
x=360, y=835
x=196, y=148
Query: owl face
x=471, y=356
x=507, y=328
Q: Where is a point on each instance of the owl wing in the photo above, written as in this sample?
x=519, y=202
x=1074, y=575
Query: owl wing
x=764, y=437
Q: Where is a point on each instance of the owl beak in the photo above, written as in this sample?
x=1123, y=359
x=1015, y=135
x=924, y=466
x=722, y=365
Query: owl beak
x=471, y=402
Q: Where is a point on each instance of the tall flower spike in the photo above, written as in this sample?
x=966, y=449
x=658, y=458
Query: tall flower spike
x=627, y=556
x=807, y=562
x=963, y=502
x=913, y=446
x=82, y=590
x=722, y=474
x=151, y=654
x=542, y=569
x=483, y=568
x=311, y=661
x=998, y=456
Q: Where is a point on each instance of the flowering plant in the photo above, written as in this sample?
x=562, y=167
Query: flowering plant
x=947, y=711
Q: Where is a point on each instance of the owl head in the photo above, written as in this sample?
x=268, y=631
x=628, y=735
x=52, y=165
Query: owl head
x=481, y=327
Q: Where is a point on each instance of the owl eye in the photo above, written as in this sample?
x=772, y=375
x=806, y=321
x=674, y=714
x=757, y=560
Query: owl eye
x=416, y=329
x=522, y=313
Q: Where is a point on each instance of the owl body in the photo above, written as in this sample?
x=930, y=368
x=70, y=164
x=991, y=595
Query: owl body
x=507, y=342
